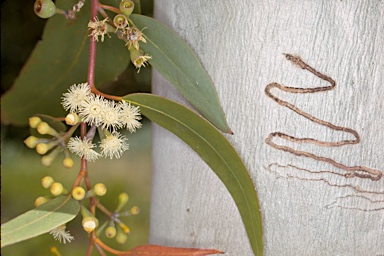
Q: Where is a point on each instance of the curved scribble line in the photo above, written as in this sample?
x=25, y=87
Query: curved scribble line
x=350, y=171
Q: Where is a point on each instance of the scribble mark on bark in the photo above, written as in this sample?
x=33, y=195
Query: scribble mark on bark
x=350, y=171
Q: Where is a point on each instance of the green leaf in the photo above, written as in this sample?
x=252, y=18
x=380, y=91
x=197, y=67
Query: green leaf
x=40, y=220
x=57, y=62
x=215, y=150
x=176, y=61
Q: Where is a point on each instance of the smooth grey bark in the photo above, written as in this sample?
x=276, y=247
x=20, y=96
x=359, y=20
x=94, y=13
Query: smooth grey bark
x=240, y=43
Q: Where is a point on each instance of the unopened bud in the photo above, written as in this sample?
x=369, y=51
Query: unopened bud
x=110, y=232
x=34, y=121
x=78, y=193
x=123, y=199
x=100, y=189
x=48, y=159
x=47, y=181
x=41, y=200
x=31, y=141
x=121, y=236
x=68, y=162
x=43, y=148
x=72, y=119
x=44, y=128
x=56, y=189
x=134, y=210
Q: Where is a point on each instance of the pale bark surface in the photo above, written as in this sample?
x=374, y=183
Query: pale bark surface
x=240, y=43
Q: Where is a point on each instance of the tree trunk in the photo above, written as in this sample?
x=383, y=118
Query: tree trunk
x=311, y=204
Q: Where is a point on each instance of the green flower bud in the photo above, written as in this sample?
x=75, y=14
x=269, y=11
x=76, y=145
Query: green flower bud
x=72, y=119
x=111, y=231
x=134, y=210
x=44, y=8
x=121, y=236
x=123, y=199
x=48, y=159
x=41, y=200
x=34, y=121
x=43, y=148
x=31, y=141
x=47, y=181
x=68, y=162
x=124, y=227
x=78, y=193
x=126, y=7
x=56, y=189
x=100, y=189
x=44, y=128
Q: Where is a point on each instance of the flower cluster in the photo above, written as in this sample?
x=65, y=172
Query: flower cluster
x=106, y=115
x=124, y=31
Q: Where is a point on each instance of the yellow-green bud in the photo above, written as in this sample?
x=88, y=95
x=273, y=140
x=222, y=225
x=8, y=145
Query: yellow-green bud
x=123, y=199
x=44, y=128
x=124, y=227
x=134, y=210
x=121, y=236
x=31, y=141
x=48, y=159
x=78, y=193
x=100, y=189
x=44, y=8
x=41, y=200
x=56, y=188
x=43, y=148
x=34, y=121
x=47, y=181
x=110, y=232
x=126, y=7
x=72, y=119
x=68, y=162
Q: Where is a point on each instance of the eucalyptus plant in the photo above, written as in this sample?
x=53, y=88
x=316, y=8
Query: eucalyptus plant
x=67, y=97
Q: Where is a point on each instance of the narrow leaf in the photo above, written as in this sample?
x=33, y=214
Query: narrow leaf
x=157, y=250
x=176, y=61
x=215, y=150
x=59, y=60
x=40, y=220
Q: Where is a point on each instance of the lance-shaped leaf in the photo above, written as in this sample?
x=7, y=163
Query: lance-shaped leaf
x=57, y=62
x=215, y=150
x=40, y=220
x=176, y=61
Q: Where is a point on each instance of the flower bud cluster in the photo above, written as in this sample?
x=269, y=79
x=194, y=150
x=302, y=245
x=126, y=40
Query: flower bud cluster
x=55, y=188
x=50, y=144
x=114, y=227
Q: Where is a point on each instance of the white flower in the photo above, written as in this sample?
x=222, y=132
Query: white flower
x=75, y=96
x=92, y=109
x=61, y=234
x=114, y=145
x=130, y=116
x=111, y=116
x=83, y=148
